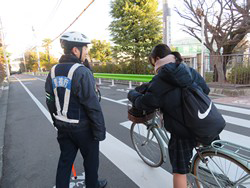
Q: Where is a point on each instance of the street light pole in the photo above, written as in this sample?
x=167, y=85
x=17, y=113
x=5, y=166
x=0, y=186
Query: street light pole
x=202, y=46
x=37, y=52
x=166, y=23
x=4, y=52
x=24, y=62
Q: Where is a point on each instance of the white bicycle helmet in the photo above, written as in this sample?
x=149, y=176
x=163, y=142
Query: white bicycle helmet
x=73, y=39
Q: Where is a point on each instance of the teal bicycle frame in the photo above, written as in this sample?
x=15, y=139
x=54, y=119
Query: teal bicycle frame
x=239, y=153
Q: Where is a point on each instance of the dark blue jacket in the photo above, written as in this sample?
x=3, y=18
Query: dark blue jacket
x=164, y=92
x=83, y=105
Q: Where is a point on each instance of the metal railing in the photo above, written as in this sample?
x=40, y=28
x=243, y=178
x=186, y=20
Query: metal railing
x=236, y=69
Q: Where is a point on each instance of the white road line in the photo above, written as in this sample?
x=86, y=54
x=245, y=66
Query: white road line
x=123, y=90
x=143, y=132
x=237, y=121
x=124, y=158
x=225, y=135
x=115, y=101
x=104, y=87
x=219, y=106
x=235, y=138
x=123, y=100
x=233, y=109
x=40, y=79
x=40, y=106
x=127, y=160
x=228, y=119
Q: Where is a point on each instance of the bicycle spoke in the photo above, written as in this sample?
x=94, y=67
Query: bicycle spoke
x=220, y=170
x=146, y=145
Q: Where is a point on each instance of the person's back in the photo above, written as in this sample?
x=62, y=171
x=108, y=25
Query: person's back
x=164, y=92
x=75, y=110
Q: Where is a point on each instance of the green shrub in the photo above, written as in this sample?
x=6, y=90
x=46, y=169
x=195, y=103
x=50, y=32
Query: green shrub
x=209, y=77
x=239, y=75
x=121, y=69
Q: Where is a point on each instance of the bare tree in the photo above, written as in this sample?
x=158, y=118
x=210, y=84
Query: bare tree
x=226, y=23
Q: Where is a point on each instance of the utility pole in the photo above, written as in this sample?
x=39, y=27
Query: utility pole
x=24, y=62
x=4, y=52
x=37, y=52
x=166, y=23
x=202, y=45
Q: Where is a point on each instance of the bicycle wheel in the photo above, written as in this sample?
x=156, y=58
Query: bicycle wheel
x=99, y=95
x=227, y=171
x=149, y=150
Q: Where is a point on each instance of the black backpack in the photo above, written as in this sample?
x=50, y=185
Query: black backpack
x=201, y=116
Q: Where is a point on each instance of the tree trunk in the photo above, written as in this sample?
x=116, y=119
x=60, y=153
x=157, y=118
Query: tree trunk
x=219, y=68
x=216, y=61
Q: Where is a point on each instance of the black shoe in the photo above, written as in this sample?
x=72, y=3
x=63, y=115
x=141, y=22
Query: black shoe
x=102, y=183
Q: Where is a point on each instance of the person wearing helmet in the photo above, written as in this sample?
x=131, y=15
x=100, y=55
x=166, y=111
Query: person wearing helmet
x=75, y=111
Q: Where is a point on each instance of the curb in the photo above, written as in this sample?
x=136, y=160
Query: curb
x=231, y=92
x=4, y=95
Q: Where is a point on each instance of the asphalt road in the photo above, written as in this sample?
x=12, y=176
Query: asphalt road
x=31, y=150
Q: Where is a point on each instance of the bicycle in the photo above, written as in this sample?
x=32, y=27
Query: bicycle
x=98, y=92
x=222, y=164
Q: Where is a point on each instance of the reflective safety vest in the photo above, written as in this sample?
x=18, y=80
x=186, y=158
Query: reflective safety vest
x=64, y=82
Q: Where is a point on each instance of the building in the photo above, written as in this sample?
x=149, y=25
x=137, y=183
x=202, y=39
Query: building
x=190, y=49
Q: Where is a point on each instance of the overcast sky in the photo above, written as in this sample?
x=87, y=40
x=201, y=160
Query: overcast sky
x=50, y=17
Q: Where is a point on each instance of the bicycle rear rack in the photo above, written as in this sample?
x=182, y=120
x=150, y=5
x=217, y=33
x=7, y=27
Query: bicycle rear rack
x=238, y=151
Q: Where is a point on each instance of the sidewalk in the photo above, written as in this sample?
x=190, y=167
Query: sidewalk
x=241, y=101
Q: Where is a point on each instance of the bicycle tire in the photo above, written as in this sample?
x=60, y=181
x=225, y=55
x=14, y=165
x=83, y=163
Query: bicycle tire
x=98, y=92
x=223, y=167
x=151, y=152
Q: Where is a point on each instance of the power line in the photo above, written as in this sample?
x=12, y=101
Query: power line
x=54, y=10
x=74, y=20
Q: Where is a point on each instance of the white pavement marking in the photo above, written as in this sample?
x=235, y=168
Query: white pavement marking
x=237, y=121
x=40, y=79
x=229, y=119
x=143, y=132
x=235, y=138
x=124, y=158
x=219, y=106
x=123, y=90
x=115, y=101
x=104, y=87
x=123, y=100
x=225, y=135
x=233, y=109
x=40, y=106
x=127, y=160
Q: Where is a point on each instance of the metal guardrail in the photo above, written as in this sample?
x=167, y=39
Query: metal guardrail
x=128, y=77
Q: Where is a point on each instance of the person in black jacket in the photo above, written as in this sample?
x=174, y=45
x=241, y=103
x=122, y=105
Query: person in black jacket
x=164, y=92
x=86, y=64
x=75, y=111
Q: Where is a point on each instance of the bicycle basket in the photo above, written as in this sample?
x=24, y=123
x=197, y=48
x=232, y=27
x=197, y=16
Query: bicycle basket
x=139, y=116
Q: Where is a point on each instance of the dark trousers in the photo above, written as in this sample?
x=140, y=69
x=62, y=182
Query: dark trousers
x=70, y=142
